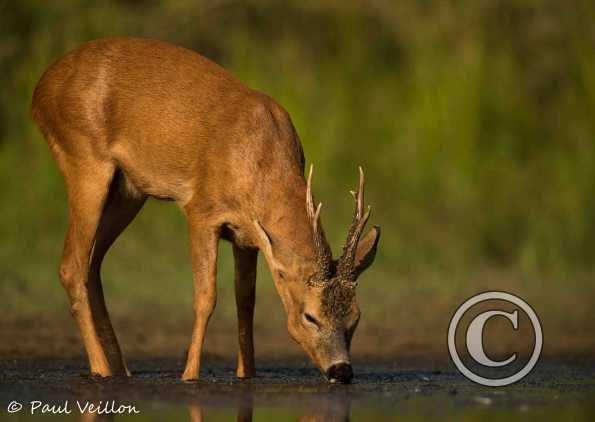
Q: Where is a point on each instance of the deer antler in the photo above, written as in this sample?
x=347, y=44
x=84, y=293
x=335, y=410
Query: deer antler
x=322, y=251
x=346, y=265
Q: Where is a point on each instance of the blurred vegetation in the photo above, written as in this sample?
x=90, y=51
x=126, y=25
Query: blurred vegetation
x=474, y=121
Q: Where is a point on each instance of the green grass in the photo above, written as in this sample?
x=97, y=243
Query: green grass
x=474, y=123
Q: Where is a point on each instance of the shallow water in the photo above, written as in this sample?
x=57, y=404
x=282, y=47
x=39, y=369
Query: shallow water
x=287, y=391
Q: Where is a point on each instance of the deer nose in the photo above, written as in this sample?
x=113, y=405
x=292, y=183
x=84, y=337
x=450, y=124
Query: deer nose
x=340, y=373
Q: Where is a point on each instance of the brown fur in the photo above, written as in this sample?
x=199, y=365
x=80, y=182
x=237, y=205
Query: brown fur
x=128, y=119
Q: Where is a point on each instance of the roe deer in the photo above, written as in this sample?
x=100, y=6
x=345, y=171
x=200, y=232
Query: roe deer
x=130, y=118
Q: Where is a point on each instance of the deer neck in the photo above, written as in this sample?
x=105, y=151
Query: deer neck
x=289, y=225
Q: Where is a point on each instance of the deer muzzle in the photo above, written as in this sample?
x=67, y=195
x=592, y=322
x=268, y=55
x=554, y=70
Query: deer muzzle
x=340, y=373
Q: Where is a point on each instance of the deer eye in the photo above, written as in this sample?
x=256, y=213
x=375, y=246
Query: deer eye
x=311, y=320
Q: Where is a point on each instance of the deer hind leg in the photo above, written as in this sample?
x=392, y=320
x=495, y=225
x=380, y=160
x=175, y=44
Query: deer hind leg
x=87, y=184
x=245, y=290
x=120, y=209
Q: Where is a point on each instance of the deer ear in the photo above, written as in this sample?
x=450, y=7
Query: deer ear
x=266, y=245
x=366, y=250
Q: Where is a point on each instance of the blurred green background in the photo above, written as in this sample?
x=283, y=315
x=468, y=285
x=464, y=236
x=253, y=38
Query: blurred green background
x=474, y=121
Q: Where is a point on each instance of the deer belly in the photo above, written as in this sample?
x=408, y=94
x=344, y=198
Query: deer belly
x=147, y=172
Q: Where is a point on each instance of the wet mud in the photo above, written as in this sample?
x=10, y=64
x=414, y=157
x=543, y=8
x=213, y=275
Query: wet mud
x=293, y=391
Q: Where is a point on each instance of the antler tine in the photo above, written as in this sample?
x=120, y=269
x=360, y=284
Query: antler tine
x=360, y=193
x=346, y=262
x=321, y=249
x=309, y=199
x=316, y=217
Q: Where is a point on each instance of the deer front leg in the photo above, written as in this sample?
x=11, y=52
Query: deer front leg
x=245, y=283
x=203, y=251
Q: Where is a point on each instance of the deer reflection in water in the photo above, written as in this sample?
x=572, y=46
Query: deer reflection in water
x=314, y=410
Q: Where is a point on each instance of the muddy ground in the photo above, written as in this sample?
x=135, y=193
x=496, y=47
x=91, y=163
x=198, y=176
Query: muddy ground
x=292, y=390
x=396, y=377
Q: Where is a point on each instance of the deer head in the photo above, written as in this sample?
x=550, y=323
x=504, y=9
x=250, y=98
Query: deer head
x=319, y=294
